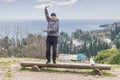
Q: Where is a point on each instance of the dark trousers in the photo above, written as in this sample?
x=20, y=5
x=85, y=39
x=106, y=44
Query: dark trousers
x=51, y=42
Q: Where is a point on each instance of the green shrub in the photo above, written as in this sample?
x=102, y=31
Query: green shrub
x=115, y=59
x=105, y=55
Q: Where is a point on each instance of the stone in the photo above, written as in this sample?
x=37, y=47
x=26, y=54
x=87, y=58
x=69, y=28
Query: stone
x=36, y=68
x=97, y=71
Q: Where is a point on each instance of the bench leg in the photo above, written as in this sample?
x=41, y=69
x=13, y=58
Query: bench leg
x=36, y=68
x=97, y=72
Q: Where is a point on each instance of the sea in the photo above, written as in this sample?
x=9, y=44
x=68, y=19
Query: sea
x=10, y=27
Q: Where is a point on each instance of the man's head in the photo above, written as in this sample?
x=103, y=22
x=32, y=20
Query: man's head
x=53, y=16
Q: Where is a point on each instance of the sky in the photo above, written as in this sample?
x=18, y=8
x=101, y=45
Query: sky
x=65, y=9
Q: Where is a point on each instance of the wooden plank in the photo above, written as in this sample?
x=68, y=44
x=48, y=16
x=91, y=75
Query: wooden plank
x=66, y=65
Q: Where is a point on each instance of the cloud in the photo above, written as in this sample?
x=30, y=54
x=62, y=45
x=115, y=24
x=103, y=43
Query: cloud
x=7, y=0
x=54, y=3
x=44, y=0
x=69, y=2
x=42, y=6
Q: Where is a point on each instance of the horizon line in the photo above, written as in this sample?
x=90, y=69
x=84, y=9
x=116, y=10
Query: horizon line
x=60, y=19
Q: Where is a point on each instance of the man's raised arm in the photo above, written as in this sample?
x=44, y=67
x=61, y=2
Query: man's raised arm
x=47, y=14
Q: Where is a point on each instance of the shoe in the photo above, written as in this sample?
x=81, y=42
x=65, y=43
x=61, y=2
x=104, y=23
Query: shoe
x=54, y=62
x=48, y=62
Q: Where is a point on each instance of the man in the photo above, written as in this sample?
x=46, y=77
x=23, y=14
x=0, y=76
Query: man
x=52, y=36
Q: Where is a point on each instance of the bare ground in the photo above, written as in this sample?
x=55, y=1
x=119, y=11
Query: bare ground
x=16, y=74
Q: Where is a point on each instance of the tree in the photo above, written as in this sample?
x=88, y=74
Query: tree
x=117, y=43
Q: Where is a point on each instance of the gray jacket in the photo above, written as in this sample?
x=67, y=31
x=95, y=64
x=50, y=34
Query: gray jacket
x=53, y=26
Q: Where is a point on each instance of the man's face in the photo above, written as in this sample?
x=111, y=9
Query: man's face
x=53, y=18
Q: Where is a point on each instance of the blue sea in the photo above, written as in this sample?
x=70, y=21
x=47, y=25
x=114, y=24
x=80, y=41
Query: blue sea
x=8, y=27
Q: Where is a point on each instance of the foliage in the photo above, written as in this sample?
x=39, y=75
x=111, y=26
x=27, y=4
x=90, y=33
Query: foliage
x=115, y=59
x=63, y=41
x=104, y=56
x=115, y=31
x=32, y=46
x=117, y=43
x=91, y=43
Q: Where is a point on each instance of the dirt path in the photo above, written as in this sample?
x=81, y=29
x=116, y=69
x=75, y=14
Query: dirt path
x=27, y=75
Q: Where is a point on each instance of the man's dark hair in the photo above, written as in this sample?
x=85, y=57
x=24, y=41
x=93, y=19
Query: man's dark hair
x=53, y=14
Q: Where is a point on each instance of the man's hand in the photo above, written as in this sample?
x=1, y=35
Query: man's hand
x=47, y=7
x=45, y=30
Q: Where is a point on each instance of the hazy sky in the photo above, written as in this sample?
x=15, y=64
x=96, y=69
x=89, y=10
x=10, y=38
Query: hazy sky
x=65, y=9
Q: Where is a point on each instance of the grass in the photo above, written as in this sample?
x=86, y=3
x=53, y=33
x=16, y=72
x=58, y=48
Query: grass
x=74, y=71
x=115, y=66
x=24, y=69
x=8, y=74
x=108, y=74
x=4, y=63
x=78, y=71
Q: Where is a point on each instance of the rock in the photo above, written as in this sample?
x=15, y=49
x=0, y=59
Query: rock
x=36, y=68
x=1, y=73
x=97, y=72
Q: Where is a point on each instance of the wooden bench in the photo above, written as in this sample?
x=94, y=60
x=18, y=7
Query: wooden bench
x=97, y=69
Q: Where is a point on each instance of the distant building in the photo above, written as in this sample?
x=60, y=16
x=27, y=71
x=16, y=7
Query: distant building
x=81, y=57
x=69, y=57
x=64, y=57
x=114, y=46
x=76, y=43
x=107, y=40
